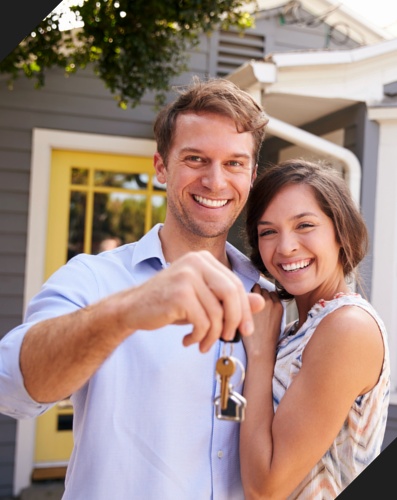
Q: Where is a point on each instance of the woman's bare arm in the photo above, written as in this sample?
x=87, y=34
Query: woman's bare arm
x=342, y=360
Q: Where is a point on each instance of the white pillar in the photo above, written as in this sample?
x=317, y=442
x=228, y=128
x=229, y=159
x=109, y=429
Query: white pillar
x=384, y=273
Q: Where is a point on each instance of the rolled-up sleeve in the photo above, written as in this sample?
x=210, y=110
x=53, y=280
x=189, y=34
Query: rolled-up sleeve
x=71, y=287
x=15, y=401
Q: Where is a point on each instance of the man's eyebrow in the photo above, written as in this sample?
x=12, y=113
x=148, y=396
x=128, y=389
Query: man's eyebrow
x=188, y=149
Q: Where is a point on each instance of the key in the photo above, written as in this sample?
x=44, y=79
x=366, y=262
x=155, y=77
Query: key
x=235, y=410
x=225, y=367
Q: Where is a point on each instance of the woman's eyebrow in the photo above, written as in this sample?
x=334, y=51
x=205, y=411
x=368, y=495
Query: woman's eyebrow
x=295, y=217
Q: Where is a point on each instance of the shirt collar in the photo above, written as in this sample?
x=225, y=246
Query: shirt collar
x=241, y=264
x=149, y=247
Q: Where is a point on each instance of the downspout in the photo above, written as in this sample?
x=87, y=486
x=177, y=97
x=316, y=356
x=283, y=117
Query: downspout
x=317, y=144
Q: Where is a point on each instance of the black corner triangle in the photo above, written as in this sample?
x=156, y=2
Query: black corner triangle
x=377, y=480
x=18, y=18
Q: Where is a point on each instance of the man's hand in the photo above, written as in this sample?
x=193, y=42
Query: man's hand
x=196, y=289
x=60, y=354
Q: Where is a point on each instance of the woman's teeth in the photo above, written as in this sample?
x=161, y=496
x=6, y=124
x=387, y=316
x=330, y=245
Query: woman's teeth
x=296, y=265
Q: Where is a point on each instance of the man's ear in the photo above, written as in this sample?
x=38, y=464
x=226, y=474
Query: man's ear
x=254, y=174
x=159, y=167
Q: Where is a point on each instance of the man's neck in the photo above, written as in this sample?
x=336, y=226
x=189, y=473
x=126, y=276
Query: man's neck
x=176, y=245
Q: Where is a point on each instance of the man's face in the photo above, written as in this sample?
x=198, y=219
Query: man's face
x=209, y=174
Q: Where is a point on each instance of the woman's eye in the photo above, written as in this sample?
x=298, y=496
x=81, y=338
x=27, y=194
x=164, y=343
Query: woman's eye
x=305, y=225
x=266, y=232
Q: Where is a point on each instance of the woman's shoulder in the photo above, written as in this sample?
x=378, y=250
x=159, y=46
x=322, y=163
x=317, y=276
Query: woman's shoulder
x=353, y=312
x=350, y=314
x=353, y=342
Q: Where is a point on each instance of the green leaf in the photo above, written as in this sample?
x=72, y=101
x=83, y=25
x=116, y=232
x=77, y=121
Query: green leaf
x=133, y=45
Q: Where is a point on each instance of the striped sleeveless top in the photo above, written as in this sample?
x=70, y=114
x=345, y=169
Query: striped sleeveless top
x=359, y=441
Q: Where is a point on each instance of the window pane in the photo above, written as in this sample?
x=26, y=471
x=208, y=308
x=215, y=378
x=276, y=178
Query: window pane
x=117, y=215
x=158, y=209
x=79, y=176
x=78, y=203
x=116, y=179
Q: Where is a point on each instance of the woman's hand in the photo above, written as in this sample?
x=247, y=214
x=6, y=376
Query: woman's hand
x=267, y=326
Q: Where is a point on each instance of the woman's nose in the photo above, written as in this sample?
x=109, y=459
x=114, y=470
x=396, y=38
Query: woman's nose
x=287, y=243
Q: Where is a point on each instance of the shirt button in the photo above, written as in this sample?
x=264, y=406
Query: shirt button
x=220, y=454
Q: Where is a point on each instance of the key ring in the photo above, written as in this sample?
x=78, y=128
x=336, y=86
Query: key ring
x=231, y=348
x=237, y=362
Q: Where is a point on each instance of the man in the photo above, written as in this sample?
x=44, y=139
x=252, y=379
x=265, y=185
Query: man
x=111, y=330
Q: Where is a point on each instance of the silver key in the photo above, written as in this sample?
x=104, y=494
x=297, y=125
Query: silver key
x=235, y=409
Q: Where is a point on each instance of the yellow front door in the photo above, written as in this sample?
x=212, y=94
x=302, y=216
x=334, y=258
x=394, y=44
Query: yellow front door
x=96, y=202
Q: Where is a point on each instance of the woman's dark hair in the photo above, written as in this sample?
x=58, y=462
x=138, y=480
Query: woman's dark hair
x=333, y=196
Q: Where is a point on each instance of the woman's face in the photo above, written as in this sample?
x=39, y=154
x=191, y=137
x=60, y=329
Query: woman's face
x=298, y=245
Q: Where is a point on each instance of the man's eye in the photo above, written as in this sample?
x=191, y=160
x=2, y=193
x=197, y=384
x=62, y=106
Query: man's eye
x=235, y=163
x=194, y=158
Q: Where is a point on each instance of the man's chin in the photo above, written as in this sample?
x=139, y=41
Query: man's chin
x=211, y=232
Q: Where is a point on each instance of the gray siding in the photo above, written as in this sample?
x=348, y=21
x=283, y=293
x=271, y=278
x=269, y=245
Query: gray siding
x=7, y=450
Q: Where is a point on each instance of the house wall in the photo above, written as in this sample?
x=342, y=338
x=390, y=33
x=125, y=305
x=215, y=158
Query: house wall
x=81, y=103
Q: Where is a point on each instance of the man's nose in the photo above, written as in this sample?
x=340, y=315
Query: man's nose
x=214, y=177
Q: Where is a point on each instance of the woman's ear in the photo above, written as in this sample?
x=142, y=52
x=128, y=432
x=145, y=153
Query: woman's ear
x=159, y=167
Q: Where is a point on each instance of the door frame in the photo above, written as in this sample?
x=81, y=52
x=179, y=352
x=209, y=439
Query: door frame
x=43, y=142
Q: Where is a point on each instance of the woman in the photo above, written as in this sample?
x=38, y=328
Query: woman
x=318, y=395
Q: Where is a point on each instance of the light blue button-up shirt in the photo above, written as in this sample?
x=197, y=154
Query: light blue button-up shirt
x=144, y=424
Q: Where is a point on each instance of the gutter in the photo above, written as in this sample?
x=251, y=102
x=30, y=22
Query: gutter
x=317, y=144
x=328, y=57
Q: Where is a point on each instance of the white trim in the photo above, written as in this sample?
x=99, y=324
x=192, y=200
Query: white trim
x=324, y=57
x=43, y=142
x=382, y=114
x=384, y=272
x=45, y=465
x=352, y=75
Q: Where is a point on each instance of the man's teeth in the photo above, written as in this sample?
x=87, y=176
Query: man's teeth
x=296, y=265
x=210, y=203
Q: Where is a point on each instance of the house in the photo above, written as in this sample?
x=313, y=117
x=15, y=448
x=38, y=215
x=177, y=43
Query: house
x=328, y=83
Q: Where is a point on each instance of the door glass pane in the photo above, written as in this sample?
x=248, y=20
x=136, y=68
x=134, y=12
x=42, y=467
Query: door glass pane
x=120, y=215
x=158, y=209
x=105, y=178
x=78, y=204
x=79, y=176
